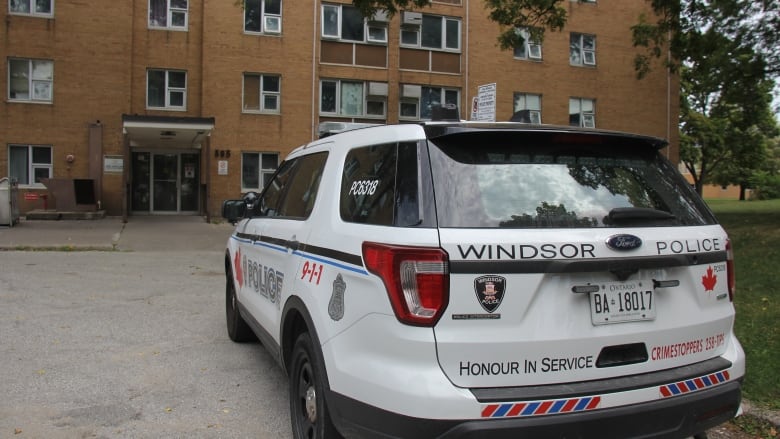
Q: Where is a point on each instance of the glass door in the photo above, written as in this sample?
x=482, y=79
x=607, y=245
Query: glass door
x=165, y=173
x=165, y=183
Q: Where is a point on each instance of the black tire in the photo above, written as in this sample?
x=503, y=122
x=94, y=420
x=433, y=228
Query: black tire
x=238, y=330
x=308, y=411
x=700, y=436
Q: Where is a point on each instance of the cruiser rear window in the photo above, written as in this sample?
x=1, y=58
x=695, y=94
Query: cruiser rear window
x=532, y=180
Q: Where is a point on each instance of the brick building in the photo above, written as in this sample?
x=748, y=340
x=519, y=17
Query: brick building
x=171, y=106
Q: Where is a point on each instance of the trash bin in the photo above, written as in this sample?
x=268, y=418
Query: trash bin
x=9, y=210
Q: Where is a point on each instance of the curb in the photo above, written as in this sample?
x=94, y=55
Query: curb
x=768, y=415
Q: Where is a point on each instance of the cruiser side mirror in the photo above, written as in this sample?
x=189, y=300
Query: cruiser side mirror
x=233, y=210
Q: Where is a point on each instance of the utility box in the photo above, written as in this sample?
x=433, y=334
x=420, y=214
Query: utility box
x=9, y=209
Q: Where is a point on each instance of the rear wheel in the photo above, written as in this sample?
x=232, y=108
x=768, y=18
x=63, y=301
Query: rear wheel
x=238, y=330
x=308, y=411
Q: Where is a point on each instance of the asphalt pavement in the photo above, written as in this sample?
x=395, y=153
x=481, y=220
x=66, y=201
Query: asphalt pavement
x=139, y=233
x=160, y=243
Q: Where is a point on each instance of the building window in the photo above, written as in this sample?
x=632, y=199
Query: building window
x=166, y=89
x=417, y=102
x=353, y=98
x=262, y=93
x=28, y=164
x=346, y=23
x=530, y=49
x=263, y=16
x=431, y=32
x=582, y=112
x=30, y=80
x=168, y=14
x=257, y=168
x=582, y=50
x=531, y=106
x=36, y=8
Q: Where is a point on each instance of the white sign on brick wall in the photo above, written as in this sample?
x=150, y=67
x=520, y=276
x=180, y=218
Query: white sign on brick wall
x=486, y=103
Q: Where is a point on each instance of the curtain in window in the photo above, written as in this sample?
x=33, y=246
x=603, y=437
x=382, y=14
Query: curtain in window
x=251, y=92
x=19, y=166
x=351, y=99
x=575, y=49
x=330, y=21
x=158, y=13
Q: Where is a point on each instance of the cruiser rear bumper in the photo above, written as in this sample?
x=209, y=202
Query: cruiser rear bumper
x=678, y=417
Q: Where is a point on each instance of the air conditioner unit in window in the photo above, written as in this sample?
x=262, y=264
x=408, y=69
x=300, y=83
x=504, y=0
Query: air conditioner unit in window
x=412, y=18
x=411, y=91
x=377, y=89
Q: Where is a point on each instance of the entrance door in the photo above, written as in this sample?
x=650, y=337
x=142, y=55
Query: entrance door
x=165, y=173
x=165, y=183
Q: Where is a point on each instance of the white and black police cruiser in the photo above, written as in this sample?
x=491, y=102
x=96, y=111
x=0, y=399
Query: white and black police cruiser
x=462, y=280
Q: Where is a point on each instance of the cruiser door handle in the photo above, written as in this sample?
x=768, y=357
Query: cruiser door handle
x=293, y=244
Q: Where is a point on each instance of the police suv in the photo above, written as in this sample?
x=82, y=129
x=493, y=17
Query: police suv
x=466, y=280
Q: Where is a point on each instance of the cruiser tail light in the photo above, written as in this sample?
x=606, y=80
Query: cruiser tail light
x=730, y=270
x=416, y=279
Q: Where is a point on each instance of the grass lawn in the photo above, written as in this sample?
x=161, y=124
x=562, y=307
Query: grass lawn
x=754, y=230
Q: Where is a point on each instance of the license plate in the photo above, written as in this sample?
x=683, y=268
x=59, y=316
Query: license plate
x=619, y=302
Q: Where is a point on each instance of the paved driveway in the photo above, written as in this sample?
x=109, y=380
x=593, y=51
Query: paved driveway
x=128, y=344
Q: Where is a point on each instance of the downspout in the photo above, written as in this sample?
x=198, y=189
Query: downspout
x=313, y=127
x=669, y=97
x=466, y=68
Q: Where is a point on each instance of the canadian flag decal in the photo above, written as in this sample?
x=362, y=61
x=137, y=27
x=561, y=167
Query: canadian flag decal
x=709, y=280
x=237, y=267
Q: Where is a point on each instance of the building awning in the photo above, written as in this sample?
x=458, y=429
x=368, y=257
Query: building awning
x=166, y=132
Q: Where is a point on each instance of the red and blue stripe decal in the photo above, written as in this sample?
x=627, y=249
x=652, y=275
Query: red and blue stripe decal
x=694, y=384
x=538, y=408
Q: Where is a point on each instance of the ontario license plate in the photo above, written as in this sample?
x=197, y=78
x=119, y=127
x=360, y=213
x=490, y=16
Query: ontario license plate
x=619, y=302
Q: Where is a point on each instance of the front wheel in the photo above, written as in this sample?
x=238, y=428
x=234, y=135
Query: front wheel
x=238, y=330
x=308, y=411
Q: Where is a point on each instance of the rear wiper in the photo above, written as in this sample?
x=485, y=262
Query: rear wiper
x=636, y=214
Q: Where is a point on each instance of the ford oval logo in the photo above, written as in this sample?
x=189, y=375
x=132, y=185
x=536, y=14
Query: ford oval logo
x=624, y=242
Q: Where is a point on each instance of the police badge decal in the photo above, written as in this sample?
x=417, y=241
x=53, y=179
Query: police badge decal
x=490, y=291
x=336, y=304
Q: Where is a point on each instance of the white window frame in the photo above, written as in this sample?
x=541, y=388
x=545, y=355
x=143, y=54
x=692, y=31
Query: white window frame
x=40, y=89
x=586, y=57
x=32, y=166
x=266, y=19
x=31, y=9
x=169, y=90
x=520, y=102
x=170, y=11
x=587, y=119
x=417, y=100
x=415, y=28
x=367, y=100
x=532, y=50
x=368, y=26
x=263, y=172
x=263, y=93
